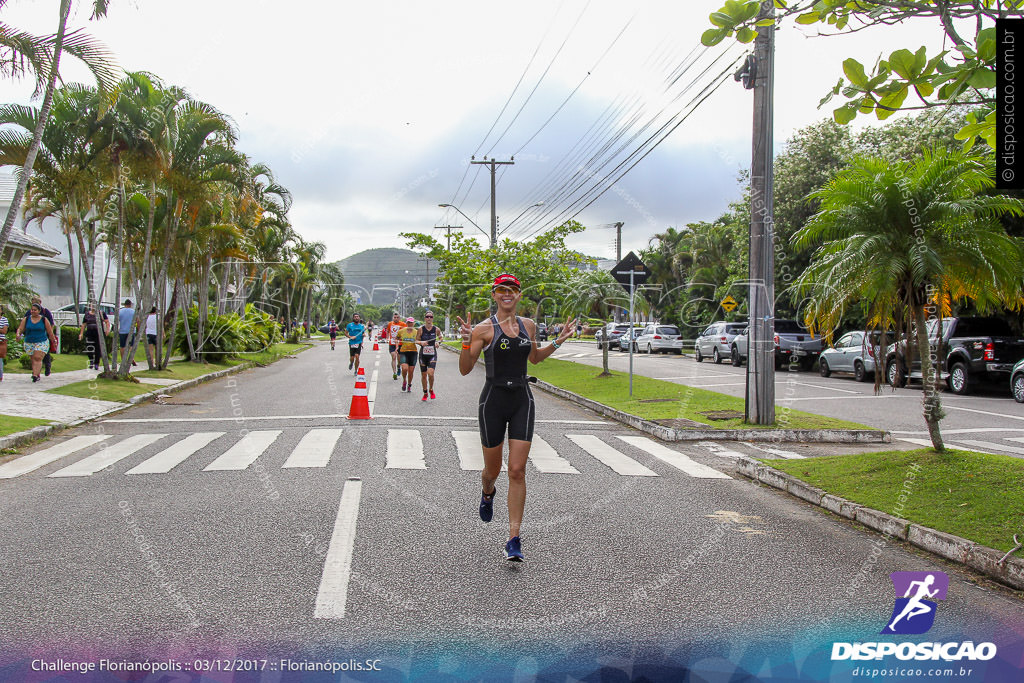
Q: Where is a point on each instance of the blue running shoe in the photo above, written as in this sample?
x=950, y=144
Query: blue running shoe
x=513, y=553
x=487, y=505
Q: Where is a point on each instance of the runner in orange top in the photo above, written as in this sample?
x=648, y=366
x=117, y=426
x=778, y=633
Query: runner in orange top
x=389, y=332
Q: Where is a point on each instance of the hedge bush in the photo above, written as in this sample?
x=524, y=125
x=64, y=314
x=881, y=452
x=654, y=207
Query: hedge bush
x=230, y=333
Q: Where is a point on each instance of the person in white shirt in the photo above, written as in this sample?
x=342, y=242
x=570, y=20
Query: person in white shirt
x=151, y=322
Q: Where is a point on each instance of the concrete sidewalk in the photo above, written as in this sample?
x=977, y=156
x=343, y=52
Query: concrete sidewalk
x=21, y=397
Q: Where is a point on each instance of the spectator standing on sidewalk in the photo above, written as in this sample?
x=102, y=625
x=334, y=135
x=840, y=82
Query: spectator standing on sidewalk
x=3, y=341
x=91, y=331
x=48, y=358
x=125, y=322
x=38, y=334
x=151, y=323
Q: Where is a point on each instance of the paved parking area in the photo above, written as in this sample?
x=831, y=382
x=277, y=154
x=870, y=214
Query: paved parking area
x=987, y=420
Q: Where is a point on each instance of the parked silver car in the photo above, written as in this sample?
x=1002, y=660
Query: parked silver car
x=850, y=354
x=1017, y=382
x=715, y=341
x=626, y=338
x=656, y=338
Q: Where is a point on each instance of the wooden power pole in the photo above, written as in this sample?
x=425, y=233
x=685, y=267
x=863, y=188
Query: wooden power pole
x=760, y=394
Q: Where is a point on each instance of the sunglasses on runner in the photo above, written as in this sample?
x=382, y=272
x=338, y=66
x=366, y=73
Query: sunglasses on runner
x=428, y=316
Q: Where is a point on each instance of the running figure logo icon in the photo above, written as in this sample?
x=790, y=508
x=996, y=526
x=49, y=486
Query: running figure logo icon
x=913, y=612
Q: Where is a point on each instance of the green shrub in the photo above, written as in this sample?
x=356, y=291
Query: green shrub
x=293, y=336
x=15, y=348
x=229, y=334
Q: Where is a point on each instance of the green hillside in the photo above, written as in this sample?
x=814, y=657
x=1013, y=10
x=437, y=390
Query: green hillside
x=374, y=275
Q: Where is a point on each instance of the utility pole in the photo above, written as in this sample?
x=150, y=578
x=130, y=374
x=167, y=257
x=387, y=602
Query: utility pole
x=494, y=214
x=760, y=72
x=448, y=234
x=618, y=259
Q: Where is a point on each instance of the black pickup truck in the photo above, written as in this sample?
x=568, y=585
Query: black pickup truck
x=973, y=349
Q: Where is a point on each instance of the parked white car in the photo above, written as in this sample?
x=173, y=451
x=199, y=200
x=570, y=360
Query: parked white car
x=715, y=342
x=65, y=315
x=658, y=338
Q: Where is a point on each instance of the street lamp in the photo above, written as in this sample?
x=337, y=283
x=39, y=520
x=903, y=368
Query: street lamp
x=524, y=211
x=452, y=206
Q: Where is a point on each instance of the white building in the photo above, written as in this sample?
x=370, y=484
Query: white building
x=43, y=249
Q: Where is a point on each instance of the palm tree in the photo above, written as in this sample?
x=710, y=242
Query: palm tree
x=899, y=237
x=15, y=295
x=20, y=52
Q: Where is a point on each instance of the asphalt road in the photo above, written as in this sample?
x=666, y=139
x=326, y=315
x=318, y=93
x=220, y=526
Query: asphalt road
x=369, y=550
x=987, y=420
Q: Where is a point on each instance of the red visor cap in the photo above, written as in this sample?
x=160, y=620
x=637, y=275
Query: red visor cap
x=506, y=280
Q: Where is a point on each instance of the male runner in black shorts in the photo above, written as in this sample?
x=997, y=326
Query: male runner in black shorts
x=506, y=402
x=426, y=337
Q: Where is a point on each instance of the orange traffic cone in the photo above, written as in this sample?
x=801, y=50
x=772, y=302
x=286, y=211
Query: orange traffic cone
x=360, y=407
x=375, y=347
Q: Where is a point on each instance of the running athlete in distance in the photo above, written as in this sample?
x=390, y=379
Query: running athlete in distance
x=354, y=332
x=426, y=337
x=332, y=329
x=407, y=351
x=506, y=402
x=390, y=332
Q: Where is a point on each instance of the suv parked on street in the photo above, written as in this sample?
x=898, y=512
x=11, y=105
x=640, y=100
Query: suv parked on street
x=791, y=341
x=628, y=337
x=614, y=331
x=715, y=341
x=65, y=315
x=972, y=349
x=659, y=338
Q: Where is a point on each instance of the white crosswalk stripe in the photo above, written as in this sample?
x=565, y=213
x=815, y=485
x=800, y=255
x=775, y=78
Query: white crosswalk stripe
x=315, y=448
x=471, y=455
x=545, y=459
x=405, y=450
x=175, y=454
x=107, y=456
x=991, y=446
x=34, y=461
x=674, y=458
x=245, y=452
x=621, y=464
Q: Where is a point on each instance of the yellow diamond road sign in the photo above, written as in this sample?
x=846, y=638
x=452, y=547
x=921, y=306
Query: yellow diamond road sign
x=728, y=303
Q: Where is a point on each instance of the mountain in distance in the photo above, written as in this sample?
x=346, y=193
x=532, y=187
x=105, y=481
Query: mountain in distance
x=377, y=276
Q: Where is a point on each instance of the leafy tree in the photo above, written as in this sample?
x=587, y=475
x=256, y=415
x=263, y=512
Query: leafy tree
x=20, y=51
x=896, y=238
x=466, y=272
x=904, y=79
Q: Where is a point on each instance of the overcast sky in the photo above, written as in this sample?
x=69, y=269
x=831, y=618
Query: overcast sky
x=369, y=112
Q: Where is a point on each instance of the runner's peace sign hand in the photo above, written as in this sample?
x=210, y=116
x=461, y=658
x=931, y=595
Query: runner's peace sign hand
x=567, y=330
x=465, y=328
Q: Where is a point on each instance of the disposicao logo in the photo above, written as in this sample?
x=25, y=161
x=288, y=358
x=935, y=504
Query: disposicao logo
x=913, y=614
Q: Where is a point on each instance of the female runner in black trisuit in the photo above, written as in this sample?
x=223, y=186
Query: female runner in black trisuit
x=506, y=402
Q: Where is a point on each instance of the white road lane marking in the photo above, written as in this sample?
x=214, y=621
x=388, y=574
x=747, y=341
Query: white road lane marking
x=775, y=451
x=928, y=444
x=332, y=417
x=819, y=386
x=314, y=449
x=1009, y=438
x=34, y=461
x=333, y=592
x=674, y=458
x=471, y=455
x=845, y=398
x=946, y=406
x=969, y=430
x=545, y=459
x=245, y=452
x=405, y=450
x=719, y=450
x=371, y=395
x=988, y=445
x=107, y=456
x=175, y=454
x=621, y=464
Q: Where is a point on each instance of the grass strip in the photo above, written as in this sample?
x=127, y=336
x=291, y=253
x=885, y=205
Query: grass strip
x=977, y=496
x=121, y=391
x=688, y=403
x=12, y=424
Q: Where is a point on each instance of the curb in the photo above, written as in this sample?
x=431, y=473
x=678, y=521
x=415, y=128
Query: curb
x=18, y=438
x=978, y=557
x=672, y=434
